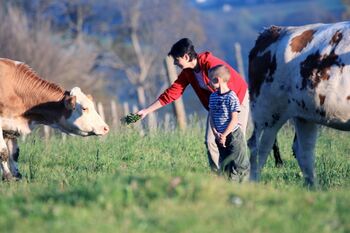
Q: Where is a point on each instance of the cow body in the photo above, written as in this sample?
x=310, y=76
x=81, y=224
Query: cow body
x=27, y=101
x=300, y=73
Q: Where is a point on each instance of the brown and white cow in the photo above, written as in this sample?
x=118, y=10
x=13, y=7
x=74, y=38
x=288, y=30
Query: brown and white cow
x=301, y=73
x=26, y=100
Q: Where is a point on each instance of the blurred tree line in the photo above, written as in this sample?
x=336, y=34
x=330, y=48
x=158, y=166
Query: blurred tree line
x=115, y=48
x=346, y=14
x=110, y=48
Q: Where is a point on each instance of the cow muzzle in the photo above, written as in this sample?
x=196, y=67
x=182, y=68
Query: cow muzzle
x=100, y=131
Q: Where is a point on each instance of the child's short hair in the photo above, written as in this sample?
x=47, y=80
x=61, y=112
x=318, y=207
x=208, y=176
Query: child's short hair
x=220, y=71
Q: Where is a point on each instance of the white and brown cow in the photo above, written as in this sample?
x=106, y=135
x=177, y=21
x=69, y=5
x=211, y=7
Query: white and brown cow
x=27, y=100
x=301, y=73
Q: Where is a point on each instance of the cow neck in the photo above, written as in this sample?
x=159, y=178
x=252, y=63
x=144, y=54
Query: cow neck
x=43, y=100
x=34, y=90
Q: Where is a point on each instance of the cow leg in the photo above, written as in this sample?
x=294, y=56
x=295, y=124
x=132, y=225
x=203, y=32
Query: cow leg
x=252, y=144
x=13, y=157
x=4, y=156
x=306, y=140
x=260, y=145
x=295, y=145
x=277, y=154
x=265, y=144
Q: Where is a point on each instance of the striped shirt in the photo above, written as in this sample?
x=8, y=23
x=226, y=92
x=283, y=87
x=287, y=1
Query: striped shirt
x=221, y=107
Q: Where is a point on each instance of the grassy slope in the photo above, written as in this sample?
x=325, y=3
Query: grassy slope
x=161, y=183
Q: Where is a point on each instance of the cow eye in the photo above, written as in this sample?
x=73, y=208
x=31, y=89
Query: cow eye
x=84, y=109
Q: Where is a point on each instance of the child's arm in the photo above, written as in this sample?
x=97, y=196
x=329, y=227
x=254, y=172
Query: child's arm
x=216, y=133
x=230, y=127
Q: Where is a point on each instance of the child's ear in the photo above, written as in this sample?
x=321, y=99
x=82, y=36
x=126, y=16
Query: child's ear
x=186, y=57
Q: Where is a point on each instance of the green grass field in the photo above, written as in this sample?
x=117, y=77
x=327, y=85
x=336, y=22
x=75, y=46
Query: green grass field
x=161, y=183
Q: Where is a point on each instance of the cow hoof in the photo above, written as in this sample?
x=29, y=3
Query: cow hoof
x=279, y=164
x=310, y=183
x=18, y=176
x=254, y=177
x=3, y=154
x=7, y=177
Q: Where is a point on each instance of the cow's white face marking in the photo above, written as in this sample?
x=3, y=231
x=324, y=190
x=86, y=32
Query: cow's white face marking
x=84, y=119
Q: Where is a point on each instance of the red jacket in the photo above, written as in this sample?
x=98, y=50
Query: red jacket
x=206, y=61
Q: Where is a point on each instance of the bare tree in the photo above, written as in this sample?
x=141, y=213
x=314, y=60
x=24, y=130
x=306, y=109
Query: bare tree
x=149, y=28
x=346, y=13
x=37, y=45
x=76, y=13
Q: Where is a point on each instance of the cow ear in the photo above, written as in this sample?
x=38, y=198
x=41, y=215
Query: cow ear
x=75, y=91
x=70, y=102
x=90, y=97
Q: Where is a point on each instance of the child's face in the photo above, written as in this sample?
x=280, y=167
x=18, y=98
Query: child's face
x=183, y=62
x=215, y=82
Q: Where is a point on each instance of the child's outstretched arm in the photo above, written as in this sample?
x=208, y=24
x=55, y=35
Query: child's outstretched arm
x=151, y=108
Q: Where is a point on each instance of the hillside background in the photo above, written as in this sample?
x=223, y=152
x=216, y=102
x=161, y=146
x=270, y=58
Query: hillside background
x=114, y=49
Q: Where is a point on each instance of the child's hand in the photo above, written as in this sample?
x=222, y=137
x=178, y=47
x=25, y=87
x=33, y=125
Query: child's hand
x=217, y=135
x=222, y=140
x=143, y=113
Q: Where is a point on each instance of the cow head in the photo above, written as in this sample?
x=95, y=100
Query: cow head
x=82, y=118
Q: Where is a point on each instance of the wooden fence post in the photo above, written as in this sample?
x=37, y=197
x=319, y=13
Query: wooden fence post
x=64, y=136
x=46, y=132
x=126, y=108
x=100, y=110
x=178, y=105
x=239, y=59
x=134, y=108
x=114, y=112
x=166, y=122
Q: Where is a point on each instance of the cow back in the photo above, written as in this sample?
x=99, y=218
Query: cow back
x=306, y=69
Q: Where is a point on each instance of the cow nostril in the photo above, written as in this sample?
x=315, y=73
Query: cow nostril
x=106, y=129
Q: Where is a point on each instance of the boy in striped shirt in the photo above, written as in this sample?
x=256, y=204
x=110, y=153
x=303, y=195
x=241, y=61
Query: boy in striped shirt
x=223, y=110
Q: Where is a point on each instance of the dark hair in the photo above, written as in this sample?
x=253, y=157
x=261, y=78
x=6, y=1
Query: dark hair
x=182, y=47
